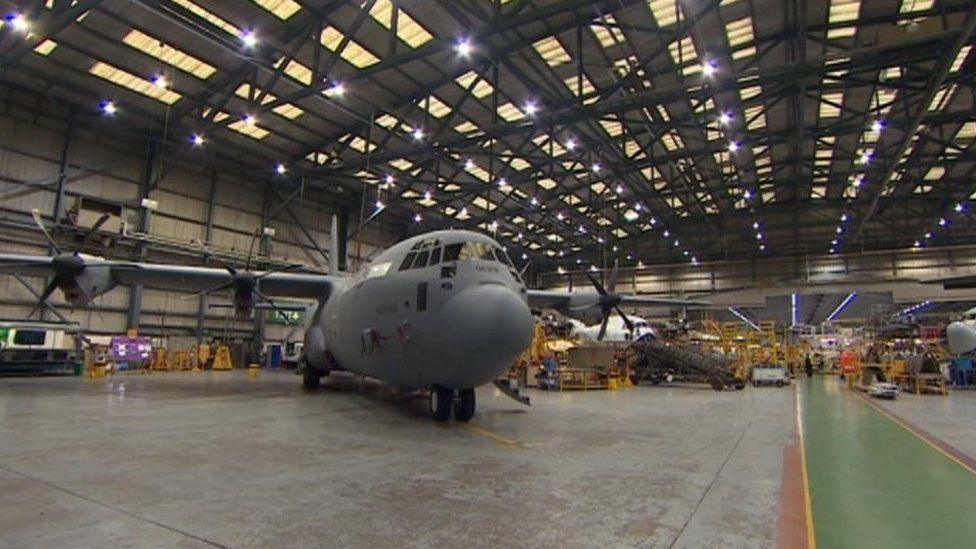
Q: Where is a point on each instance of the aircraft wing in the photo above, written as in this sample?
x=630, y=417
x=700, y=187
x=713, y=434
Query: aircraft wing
x=955, y=282
x=561, y=300
x=176, y=277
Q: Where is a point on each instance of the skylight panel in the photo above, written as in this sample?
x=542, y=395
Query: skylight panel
x=683, y=52
x=122, y=78
x=317, y=157
x=613, y=127
x=408, y=29
x=942, y=98
x=168, y=54
x=282, y=9
x=830, y=104
x=574, y=82
x=966, y=132
x=436, y=107
x=547, y=184
x=251, y=130
x=46, y=47
x=935, y=173
x=740, y=33
x=552, y=52
x=244, y=92
x=750, y=92
x=519, y=163
x=387, y=121
x=360, y=144
x=353, y=53
x=467, y=127
x=664, y=12
x=483, y=203
x=960, y=58
x=510, y=113
x=208, y=17
x=296, y=70
x=480, y=90
x=477, y=171
x=842, y=11
x=672, y=141
x=913, y=6
x=288, y=110
x=606, y=31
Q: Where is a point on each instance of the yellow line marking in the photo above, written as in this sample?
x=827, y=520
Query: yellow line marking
x=807, y=503
x=505, y=441
x=901, y=424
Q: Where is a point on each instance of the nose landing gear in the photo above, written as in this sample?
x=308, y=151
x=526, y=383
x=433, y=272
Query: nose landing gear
x=443, y=400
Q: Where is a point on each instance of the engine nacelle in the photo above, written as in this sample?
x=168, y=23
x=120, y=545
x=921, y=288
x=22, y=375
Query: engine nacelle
x=961, y=336
x=92, y=281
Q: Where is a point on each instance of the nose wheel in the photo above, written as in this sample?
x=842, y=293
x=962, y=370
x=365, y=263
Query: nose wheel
x=444, y=399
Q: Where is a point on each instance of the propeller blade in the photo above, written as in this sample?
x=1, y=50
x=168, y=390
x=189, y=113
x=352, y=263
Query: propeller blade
x=630, y=325
x=42, y=300
x=603, y=328
x=525, y=268
x=91, y=232
x=286, y=268
x=596, y=283
x=613, y=275
x=40, y=225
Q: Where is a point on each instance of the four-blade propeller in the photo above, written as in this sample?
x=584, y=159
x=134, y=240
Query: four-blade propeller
x=609, y=301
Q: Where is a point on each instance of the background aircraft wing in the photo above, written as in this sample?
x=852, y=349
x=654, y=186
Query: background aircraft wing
x=175, y=277
x=557, y=299
x=955, y=282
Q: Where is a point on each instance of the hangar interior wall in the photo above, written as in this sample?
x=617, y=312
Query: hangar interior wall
x=32, y=150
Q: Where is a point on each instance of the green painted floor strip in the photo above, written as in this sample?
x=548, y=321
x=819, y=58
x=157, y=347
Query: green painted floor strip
x=874, y=484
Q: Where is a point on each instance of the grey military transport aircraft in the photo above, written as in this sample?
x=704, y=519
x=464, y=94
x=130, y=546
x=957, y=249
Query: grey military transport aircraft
x=444, y=311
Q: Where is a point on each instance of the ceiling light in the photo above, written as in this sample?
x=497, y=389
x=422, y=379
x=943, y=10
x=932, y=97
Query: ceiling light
x=531, y=108
x=281, y=169
x=249, y=119
x=596, y=167
x=667, y=233
x=108, y=107
x=615, y=248
x=468, y=164
x=337, y=89
x=918, y=244
x=840, y=230
x=160, y=81
x=417, y=218
x=619, y=189
x=493, y=225
x=426, y=196
x=832, y=250
x=755, y=224
x=526, y=256
x=389, y=179
x=762, y=247
x=463, y=47
x=833, y=242
x=928, y=235
x=640, y=264
x=464, y=212
x=638, y=206
x=858, y=182
x=197, y=139
x=249, y=38
x=843, y=217
x=733, y=146
x=959, y=207
x=747, y=195
x=502, y=183
x=653, y=221
x=560, y=216
x=758, y=236
x=676, y=243
x=943, y=222
x=379, y=205
x=534, y=201
x=418, y=134
x=865, y=158
x=18, y=22
x=878, y=125
x=570, y=144
x=709, y=68
x=724, y=118
x=593, y=268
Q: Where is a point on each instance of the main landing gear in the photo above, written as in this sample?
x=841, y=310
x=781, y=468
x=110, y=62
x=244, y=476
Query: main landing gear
x=444, y=399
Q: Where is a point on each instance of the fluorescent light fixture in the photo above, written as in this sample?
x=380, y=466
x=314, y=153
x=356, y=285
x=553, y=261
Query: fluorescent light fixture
x=249, y=38
x=596, y=167
x=249, y=119
x=843, y=305
x=463, y=47
x=733, y=146
x=570, y=144
x=418, y=134
x=197, y=139
x=281, y=168
x=724, y=118
x=531, y=108
x=18, y=22
x=108, y=107
x=160, y=81
x=417, y=218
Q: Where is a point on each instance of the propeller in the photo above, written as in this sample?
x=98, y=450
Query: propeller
x=67, y=267
x=244, y=284
x=609, y=301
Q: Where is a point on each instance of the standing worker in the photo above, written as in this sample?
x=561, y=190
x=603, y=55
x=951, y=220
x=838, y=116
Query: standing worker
x=808, y=366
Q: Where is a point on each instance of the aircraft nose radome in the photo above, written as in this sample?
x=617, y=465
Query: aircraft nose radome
x=962, y=338
x=492, y=325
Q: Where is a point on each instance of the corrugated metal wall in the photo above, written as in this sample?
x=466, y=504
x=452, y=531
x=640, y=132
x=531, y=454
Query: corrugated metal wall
x=30, y=154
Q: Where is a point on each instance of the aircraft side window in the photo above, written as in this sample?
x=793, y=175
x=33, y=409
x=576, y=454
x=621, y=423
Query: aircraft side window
x=435, y=256
x=421, y=260
x=452, y=252
x=407, y=261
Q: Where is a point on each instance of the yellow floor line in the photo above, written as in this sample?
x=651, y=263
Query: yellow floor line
x=505, y=441
x=901, y=424
x=807, y=504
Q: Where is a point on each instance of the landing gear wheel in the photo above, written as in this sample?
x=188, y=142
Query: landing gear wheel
x=739, y=385
x=441, y=399
x=311, y=378
x=464, y=407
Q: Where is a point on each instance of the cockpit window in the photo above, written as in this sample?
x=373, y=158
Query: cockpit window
x=452, y=252
x=407, y=261
x=435, y=256
x=421, y=260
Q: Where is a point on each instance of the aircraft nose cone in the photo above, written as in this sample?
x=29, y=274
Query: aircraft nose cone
x=491, y=325
x=962, y=338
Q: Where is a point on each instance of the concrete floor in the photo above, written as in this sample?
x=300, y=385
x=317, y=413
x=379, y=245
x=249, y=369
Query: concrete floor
x=217, y=459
